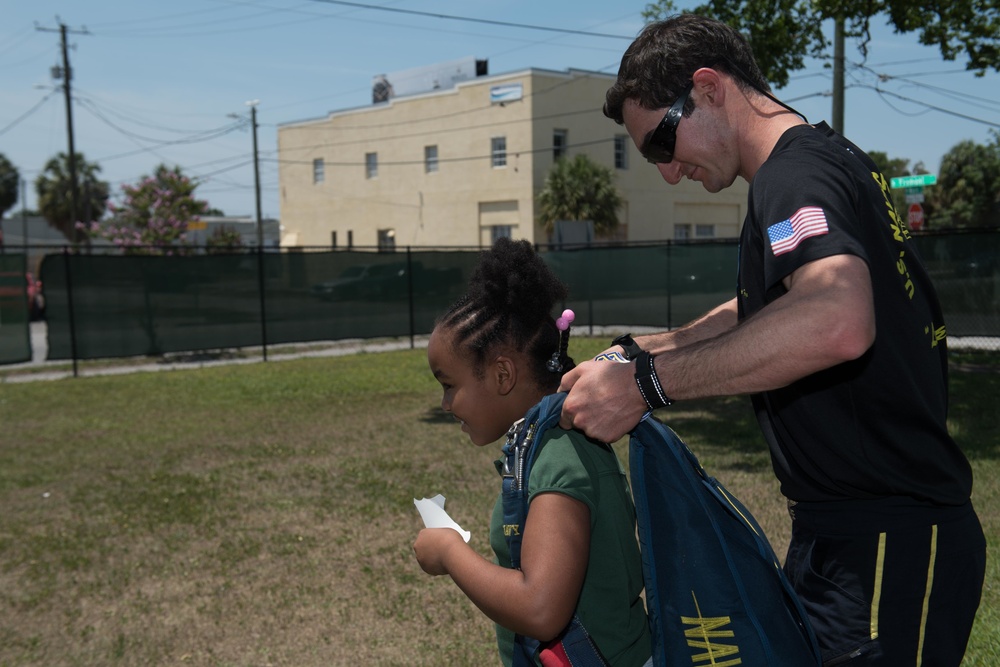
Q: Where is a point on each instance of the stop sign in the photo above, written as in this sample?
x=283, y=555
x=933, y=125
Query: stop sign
x=916, y=216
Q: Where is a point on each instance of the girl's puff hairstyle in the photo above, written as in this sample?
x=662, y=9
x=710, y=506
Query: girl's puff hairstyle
x=509, y=305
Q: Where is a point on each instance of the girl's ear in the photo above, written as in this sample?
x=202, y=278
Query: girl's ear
x=504, y=371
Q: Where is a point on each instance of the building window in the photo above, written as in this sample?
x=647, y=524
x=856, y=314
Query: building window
x=500, y=232
x=386, y=240
x=430, y=159
x=318, y=170
x=560, y=141
x=704, y=231
x=682, y=232
x=498, y=151
x=621, y=151
x=371, y=165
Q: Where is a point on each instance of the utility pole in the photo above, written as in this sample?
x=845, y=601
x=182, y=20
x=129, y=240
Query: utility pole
x=837, y=119
x=67, y=75
x=256, y=171
x=261, y=286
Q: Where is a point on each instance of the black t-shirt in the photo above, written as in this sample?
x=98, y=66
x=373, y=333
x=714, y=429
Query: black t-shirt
x=873, y=427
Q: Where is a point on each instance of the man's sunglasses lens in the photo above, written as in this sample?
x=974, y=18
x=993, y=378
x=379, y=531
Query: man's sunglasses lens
x=660, y=147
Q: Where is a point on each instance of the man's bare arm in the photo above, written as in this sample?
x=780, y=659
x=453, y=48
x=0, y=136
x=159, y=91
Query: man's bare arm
x=826, y=318
x=711, y=324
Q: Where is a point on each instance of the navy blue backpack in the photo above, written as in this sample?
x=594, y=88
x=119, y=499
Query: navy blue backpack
x=715, y=591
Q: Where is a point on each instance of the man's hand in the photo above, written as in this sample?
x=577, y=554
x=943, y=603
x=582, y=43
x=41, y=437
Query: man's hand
x=604, y=401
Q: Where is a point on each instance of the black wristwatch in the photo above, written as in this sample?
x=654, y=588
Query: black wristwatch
x=631, y=348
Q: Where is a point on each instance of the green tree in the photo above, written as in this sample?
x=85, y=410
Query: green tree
x=9, y=180
x=223, y=239
x=55, y=199
x=967, y=193
x=579, y=189
x=154, y=215
x=783, y=32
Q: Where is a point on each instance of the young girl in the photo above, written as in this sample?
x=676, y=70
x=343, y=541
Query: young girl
x=491, y=354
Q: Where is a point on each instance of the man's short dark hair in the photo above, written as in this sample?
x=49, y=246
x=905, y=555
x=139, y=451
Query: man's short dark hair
x=659, y=63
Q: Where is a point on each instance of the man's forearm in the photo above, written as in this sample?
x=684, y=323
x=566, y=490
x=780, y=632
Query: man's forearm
x=711, y=324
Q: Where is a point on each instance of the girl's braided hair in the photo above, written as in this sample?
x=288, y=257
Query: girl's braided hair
x=509, y=304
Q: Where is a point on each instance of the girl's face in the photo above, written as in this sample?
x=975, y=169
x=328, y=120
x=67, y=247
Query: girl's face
x=481, y=403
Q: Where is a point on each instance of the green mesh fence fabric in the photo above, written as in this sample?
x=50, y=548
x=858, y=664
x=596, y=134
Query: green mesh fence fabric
x=112, y=306
x=965, y=269
x=657, y=286
x=15, y=335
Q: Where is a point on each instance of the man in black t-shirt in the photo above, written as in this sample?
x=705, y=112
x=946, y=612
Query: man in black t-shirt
x=836, y=333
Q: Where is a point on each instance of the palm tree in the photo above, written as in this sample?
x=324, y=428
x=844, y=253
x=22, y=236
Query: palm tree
x=9, y=180
x=55, y=197
x=579, y=189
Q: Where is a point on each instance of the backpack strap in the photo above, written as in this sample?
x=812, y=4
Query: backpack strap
x=574, y=645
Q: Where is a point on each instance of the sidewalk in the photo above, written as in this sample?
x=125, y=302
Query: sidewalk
x=40, y=368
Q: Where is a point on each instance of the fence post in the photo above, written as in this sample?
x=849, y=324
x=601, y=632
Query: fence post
x=409, y=289
x=69, y=309
x=260, y=286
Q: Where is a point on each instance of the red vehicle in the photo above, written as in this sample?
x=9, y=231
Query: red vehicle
x=36, y=300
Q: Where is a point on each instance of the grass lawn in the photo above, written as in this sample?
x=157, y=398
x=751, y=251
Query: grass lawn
x=263, y=514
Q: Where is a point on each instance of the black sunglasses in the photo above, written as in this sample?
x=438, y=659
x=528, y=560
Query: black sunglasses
x=659, y=148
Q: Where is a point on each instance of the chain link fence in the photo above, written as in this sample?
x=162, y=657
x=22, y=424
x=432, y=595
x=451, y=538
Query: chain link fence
x=110, y=305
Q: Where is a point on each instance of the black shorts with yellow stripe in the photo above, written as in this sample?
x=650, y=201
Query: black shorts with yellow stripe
x=888, y=582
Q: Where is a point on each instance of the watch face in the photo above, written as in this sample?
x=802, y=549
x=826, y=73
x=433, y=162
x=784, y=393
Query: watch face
x=630, y=347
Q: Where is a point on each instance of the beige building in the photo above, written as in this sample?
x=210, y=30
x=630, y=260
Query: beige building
x=463, y=164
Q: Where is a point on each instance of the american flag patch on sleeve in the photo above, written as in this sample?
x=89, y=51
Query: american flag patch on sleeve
x=786, y=235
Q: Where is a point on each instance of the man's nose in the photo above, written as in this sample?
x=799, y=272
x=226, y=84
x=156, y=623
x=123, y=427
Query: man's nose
x=670, y=171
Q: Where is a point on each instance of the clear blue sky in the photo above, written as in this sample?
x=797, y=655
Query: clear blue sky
x=157, y=82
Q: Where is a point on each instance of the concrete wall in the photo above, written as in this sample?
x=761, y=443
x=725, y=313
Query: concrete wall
x=459, y=203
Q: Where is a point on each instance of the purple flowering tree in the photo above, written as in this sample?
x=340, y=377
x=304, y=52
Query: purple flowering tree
x=154, y=215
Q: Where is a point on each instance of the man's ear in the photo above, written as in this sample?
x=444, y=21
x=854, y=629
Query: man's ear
x=505, y=374
x=708, y=84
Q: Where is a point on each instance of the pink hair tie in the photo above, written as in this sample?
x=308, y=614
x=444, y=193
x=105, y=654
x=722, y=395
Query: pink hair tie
x=567, y=318
x=555, y=364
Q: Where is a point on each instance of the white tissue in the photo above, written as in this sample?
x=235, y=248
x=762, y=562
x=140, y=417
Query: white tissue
x=432, y=512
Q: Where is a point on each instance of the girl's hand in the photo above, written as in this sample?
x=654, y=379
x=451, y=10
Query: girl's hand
x=432, y=546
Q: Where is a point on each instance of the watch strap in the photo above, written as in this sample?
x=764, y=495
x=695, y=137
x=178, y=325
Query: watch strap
x=649, y=383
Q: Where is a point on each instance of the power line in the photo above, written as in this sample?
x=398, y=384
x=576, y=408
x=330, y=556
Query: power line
x=467, y=19
x=441, y=160
x=29, y=112
x=932, y=107
x=204, y=135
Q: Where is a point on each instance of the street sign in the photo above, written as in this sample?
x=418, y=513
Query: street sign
x=914, y=198
x=916, y=216
x=918, y=181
